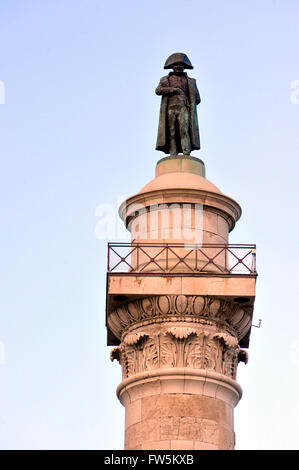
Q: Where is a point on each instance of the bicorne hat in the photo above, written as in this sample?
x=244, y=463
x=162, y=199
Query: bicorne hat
x=178, y=58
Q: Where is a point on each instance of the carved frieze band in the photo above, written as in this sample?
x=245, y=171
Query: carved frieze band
x=165, y=306
x=179, y=346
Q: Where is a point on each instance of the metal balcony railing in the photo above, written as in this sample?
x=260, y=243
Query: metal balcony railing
x=170, y=258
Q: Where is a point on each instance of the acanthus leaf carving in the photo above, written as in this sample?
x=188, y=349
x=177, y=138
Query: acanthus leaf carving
x=134, y=338
x=131, y=363
x=194, y=352
x=208, y=361
x=179, y=346
x=168, y=354
x=228, y=339
x=181, y=332
x=150, y=354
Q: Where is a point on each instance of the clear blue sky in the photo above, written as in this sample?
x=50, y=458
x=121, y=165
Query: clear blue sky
x=78, y=130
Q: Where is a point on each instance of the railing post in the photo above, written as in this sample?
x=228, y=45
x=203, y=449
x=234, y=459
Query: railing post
x=137, y=267
x=166, y=256
x=226, y=265
x=253, y=264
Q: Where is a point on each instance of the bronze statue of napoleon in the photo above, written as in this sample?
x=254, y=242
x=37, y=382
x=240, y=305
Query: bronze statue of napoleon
x=178, y=124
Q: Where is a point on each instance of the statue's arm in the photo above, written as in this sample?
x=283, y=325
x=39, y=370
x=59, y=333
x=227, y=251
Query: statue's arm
x=197, y=95
x=164, y=89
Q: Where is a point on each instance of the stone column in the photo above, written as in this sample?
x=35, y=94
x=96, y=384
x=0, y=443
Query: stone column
x=179, y=317
x=179, y=357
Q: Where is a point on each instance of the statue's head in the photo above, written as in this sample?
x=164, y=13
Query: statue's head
x=178, y=62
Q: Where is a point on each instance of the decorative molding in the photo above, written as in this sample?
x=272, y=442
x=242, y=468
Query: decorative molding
x=172, y=307
x=179, y=347
x=227, y=207
x=214, y=384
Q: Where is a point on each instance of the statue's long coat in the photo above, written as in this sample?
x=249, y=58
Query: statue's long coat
x=163, y=133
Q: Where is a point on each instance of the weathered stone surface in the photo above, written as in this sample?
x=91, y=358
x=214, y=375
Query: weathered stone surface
x=169, y=418
x=179, y=428
x=186, y=405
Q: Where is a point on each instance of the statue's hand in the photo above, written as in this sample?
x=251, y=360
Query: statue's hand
x=178, y=90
